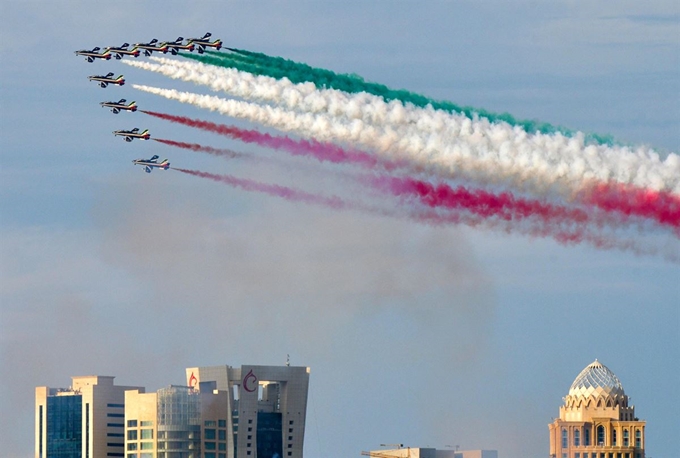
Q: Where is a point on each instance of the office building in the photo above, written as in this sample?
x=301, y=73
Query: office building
x=177, y=422
x=84, y=420
x=267, y=406
x=596, y=420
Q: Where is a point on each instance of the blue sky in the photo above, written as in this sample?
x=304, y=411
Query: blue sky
x=418, y=335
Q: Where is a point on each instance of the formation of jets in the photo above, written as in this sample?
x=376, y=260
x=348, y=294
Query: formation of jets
x=150, y=164
x=118, y=52
x=129, y=135
x=105, y=80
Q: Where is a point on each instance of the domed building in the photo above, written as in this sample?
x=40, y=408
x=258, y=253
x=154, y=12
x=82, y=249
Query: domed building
x=596, y=420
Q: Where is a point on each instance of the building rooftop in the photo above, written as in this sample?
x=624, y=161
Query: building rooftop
x=596, y=378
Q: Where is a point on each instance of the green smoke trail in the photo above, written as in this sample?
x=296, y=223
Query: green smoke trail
x=278, y=67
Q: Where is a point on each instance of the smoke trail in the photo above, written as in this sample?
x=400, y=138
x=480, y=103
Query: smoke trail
x=483, y=140
x=562, y=236
x=504, y=205
x=278, y=67
x=660, y=206
x=517, y=162
x=486, y=204
x=287, y=193
x=205, y=149
x=321, y=151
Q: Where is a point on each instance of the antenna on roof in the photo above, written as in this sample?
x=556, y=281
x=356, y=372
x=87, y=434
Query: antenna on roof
x=287, y=360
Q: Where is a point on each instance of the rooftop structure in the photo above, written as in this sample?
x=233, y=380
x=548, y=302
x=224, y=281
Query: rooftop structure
x=596, y=420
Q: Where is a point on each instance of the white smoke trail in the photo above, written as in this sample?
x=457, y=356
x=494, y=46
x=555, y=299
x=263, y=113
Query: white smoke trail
x=455, y=159
x=535, y=161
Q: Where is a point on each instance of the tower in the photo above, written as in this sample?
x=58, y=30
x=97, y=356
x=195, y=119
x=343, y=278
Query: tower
x=267, y=406
x=596, y=420
x=84, y=420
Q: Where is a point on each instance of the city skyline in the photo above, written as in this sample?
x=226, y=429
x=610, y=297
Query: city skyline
x=416, y=334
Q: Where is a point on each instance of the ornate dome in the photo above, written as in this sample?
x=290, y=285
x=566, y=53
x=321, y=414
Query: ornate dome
x=595, y=380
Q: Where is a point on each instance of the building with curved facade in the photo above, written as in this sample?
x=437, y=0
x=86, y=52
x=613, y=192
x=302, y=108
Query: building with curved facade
x=596, y=420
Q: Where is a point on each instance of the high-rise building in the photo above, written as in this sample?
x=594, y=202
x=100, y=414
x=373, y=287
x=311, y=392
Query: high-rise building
x=596, y=420
x=177, y=422
x=84, y=420
x=267, y=407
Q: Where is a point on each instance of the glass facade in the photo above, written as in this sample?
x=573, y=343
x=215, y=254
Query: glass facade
x=269, y=434
x=64, y=426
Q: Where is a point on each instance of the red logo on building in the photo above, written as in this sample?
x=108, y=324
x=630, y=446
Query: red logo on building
x=250, y=382
x=193, y=381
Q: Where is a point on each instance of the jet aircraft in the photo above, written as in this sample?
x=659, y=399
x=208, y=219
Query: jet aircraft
x=204, y=42
x=151, y=46
x=130, y=135
x=149, y=164
x=120, y=51
x=93, y=54
x=107, y=79
x=175, y=46
x=119, y=105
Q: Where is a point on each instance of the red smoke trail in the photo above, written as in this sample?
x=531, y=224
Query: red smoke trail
x=285, y=192
x=206, y=149
x=321, y=151
x=483, y=203
x=564, y=237
x=660, y=206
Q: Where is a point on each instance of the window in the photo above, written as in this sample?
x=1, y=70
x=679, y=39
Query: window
x=600, y=436
x=210, y=434
x=638, y=438
x=222, y=423
x=565, y=442
x=132, y=446
x=132, y=435
x=209, y=455
x=577, y=438
x=250, y=437
x=625, y=439
x=222, y=435
x=585, y=455
x=210, y=446
x=115, y=435
x=146, y=434
x=114, y=444
x=132, y=423
x=212, y=423
x=290, y=453
x=146, y=455
x=146, y=423
x=290, y=438
x=577, y=455
x=115, y=415
x=221, y=446
x=614, y=437
x=586, y=437
x=120, y=406
x=115, y=425
x=146, y=445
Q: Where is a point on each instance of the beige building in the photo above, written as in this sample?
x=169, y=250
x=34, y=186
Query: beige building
x=177, y=422
x=85, y=419
x=268, y=406
x=596, y=420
